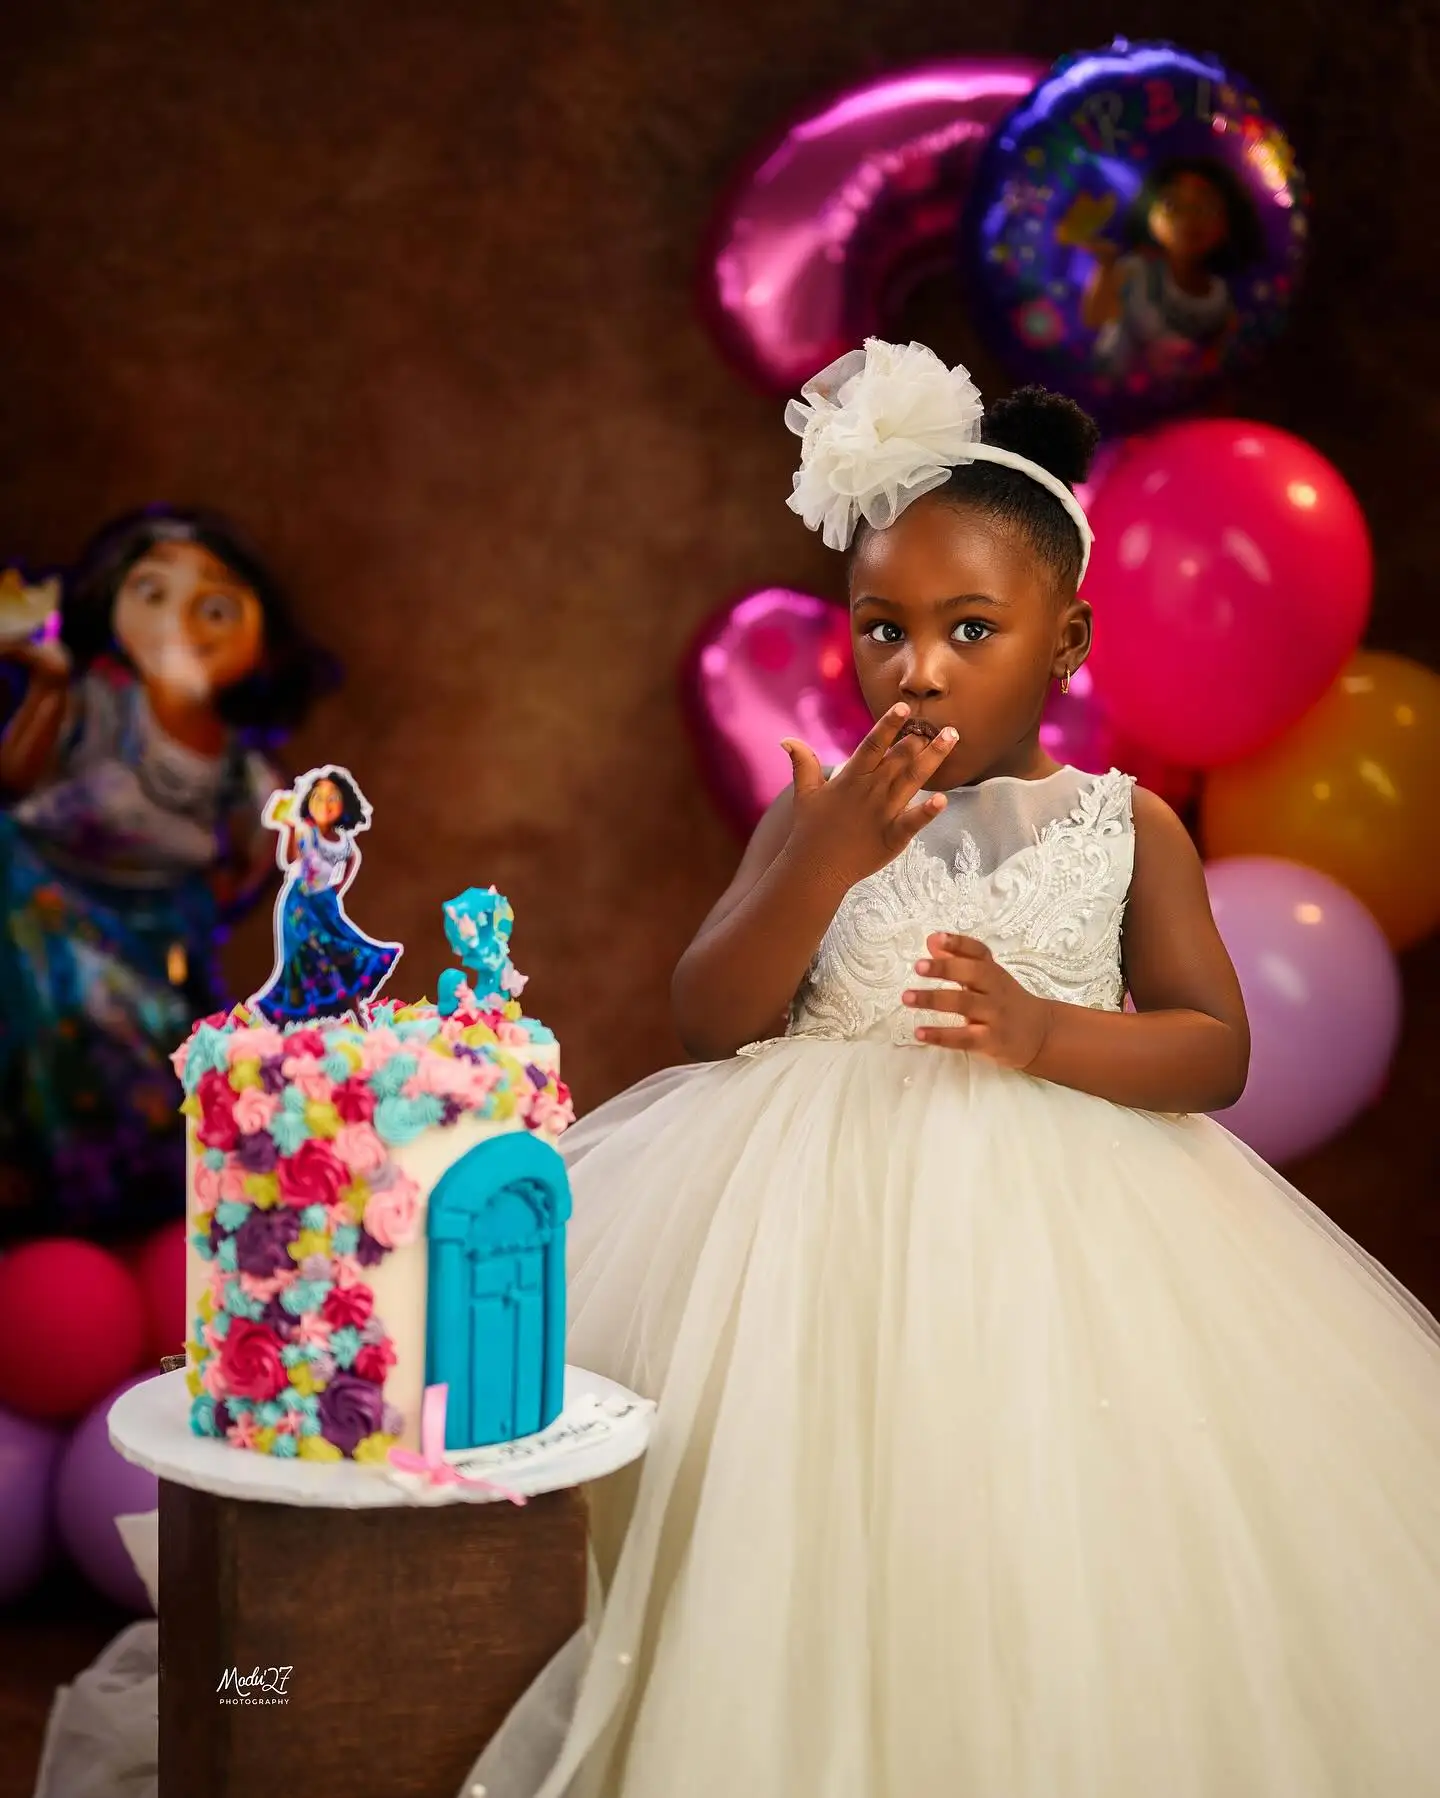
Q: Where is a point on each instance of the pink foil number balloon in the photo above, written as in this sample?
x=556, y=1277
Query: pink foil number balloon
x=776, y=665
x=1231, y=583
x=839, y=212
x=1323, y=993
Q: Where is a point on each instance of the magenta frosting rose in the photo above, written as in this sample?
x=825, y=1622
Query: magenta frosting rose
x=250, y=1363
x=313, y=1175
x=217, y=1128
x=354, y=1101
x=350, y=1410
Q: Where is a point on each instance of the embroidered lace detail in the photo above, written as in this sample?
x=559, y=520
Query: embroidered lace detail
x=1051, y=912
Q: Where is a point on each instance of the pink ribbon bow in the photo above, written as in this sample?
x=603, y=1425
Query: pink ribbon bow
x=430, y=1463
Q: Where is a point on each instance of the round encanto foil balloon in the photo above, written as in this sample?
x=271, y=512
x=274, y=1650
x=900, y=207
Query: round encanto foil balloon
x=836, y=214
x=1136, y=228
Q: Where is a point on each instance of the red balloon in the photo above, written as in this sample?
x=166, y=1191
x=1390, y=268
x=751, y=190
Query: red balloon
x=1079, y=733
x=833, y=213
x=72, y=1326
x=160, y=1274
x=1231, y=583
x=776, y=665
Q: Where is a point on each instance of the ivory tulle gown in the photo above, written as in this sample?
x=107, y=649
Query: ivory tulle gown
x=1010, y=1444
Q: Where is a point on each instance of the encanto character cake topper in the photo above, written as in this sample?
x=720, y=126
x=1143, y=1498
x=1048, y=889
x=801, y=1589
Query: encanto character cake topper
x=478, y=923
x=325, y=966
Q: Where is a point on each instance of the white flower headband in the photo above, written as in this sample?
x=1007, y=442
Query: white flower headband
x=882, y=426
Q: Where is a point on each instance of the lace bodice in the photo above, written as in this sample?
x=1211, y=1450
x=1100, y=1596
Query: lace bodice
x=1037, y=870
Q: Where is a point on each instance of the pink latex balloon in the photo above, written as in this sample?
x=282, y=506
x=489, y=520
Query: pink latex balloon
x=1079, y=733
x=1231, y=582
x=1323, y=992
x=776, y=665
x=839, y=212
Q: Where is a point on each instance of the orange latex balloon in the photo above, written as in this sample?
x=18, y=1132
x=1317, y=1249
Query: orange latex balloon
x=1348, y=790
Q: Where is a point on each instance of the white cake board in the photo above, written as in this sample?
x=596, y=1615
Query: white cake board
x=601, y=1429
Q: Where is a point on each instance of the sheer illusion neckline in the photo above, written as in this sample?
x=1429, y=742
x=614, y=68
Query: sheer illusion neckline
x=1016, y=780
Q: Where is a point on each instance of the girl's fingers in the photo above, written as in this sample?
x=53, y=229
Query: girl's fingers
x=974, y=1039
x=970, y=971
x=914, y=819
x=916, y=760
x=805, y=766
x=969, y=1007
x=879, y=739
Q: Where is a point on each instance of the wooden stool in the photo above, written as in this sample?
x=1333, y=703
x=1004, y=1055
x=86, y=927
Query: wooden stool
x=322, y=1631
x=407, y=1635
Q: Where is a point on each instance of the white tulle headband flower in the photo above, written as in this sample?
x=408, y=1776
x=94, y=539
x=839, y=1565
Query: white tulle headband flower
x=882, y=426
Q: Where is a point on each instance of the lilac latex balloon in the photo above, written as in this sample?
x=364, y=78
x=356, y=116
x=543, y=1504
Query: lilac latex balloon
x=776, y=665
x=839, y=212
x=1323, y=993
x=29, y=1456
x=95, y=1486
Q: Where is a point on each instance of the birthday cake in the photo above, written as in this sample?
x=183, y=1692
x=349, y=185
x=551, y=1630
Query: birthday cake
x=375, y=1210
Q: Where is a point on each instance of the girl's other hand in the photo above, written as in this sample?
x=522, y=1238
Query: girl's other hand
x=861, y=818
x=49, y=663
x=993, y=1014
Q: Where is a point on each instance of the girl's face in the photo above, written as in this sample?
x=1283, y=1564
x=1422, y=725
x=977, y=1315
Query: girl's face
x=325, y=804
x=957, y=616
x=1189, y=218
x=187, y=622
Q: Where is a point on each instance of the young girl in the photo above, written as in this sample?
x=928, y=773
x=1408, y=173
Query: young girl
x=1020, y=1434
x=323, y=964
x=1163, y=307
x=134, y=773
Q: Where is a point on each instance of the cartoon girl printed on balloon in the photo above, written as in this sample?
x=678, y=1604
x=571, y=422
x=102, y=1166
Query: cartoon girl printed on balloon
x=134, y=770
x=1160, y=302
x=324, y=965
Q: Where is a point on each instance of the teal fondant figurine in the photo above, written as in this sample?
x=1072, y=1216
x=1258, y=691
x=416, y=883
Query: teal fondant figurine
x=478, y=923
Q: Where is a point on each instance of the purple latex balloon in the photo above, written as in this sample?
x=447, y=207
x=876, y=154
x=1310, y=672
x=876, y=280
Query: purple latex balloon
x=95, y=1486
x=1323, y=993
x=840, y=212
x=776, y=665
x=29, y=1456
x=1135, y=228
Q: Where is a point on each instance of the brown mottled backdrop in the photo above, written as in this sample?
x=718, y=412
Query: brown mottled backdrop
x=407, y=289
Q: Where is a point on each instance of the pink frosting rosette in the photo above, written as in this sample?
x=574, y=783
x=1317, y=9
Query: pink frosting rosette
x=392, y=1215
x=255, y=1042
x=360, y=1148
x=307, y=1074
x=254, y=1109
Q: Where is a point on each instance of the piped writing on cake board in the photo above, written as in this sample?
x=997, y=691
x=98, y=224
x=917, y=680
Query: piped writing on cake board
x=325, y=965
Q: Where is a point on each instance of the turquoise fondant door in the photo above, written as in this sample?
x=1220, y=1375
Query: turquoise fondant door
x=496, y=1310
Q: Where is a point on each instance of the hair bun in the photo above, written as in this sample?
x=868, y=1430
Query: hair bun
x=1048, y=429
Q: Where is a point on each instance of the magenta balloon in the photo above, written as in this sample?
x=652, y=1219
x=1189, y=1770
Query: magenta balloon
x=29, y=1456
x=1079, y=732
x=1231, y=583
x=95, y=1486
x=1323, y=993
x=775, y=665
x=841, y=210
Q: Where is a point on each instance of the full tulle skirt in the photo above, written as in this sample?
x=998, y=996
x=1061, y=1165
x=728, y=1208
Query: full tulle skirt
x=1010, y=1444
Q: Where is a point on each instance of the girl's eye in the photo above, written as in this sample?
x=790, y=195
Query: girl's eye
x=148, y=589
x=218, y=609
x=885, y=631
x=973, y=630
